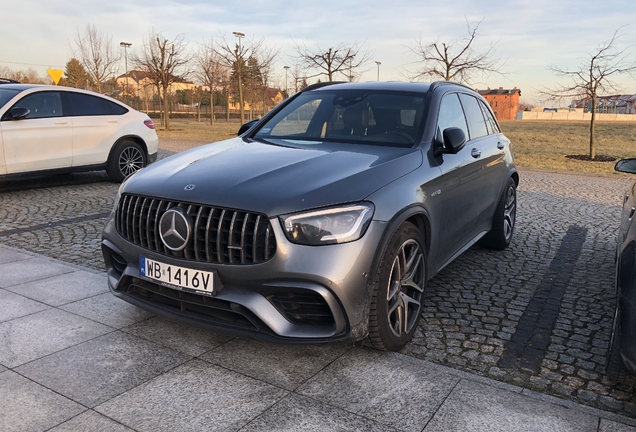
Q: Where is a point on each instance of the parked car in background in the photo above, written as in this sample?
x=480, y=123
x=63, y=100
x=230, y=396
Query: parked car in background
x=621, y=355
x=52, y=129
x=323, y=221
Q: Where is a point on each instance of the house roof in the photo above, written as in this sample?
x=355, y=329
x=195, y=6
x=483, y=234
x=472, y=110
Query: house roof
x=139, y=75
x=500, y=91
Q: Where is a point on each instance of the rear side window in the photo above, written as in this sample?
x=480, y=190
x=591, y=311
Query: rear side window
x=451, y=115
x=493, y=128
x=88, y=105
x=476, y=124
x=41, y=105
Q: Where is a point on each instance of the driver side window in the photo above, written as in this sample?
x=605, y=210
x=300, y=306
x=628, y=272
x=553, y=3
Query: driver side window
x=41, y=105
x=451, y=114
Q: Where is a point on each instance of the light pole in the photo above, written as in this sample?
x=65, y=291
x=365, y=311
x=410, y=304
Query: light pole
x=286, y=89
x=378, y=63
x=239, y=56
x=126, y=45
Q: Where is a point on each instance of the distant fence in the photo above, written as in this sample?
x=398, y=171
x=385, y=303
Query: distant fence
x=572, y=115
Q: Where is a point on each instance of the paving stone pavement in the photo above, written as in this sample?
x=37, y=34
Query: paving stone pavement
x=474, y=307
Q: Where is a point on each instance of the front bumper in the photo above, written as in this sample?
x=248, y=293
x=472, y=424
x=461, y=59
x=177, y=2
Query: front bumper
x=303, y=294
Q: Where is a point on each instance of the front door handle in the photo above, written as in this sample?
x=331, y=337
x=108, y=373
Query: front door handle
x=500, y=145
x=475, y=153
x=61, y=122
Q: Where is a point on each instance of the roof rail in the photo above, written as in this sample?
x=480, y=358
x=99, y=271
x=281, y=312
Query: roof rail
x=322, y=84
x=436, y=84
x=8, y=81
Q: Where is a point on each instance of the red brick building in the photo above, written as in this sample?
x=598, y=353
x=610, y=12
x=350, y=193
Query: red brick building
x=504, y=103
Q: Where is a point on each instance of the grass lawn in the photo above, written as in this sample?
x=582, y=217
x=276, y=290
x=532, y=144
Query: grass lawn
x=537, y=144
x=544, y=144
x=198, y=131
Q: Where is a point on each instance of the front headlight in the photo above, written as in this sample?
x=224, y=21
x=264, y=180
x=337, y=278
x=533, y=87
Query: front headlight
x=328, y=226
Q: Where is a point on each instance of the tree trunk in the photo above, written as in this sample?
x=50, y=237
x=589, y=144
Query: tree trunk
x=166, y=107
x=592, y=150
x=227, y=111
x=211, y=105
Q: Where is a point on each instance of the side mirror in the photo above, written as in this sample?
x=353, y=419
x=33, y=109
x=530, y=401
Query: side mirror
x=246, y=126
x=18, y=113
x=454, y=140
x=626, y=166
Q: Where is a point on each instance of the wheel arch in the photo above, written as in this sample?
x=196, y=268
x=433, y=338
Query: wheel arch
x=134, y=138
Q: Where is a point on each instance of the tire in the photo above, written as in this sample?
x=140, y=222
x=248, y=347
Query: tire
x=503, y=223
x=399, y=286
x=127, y=158
x=615, y=369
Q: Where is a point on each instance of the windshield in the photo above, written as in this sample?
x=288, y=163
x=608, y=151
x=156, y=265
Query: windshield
x=6, y=95
x=356, y=116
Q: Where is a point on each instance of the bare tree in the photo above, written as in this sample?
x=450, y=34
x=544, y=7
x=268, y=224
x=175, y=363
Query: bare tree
x=209, y=70
x=25, y=77
x=165, y=61
x=593, y=77
x=457, y=60
x=96, y=53
x=343, y=59
x=236, y=59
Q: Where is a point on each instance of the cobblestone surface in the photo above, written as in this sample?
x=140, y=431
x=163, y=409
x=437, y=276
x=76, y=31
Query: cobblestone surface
x=473, y=307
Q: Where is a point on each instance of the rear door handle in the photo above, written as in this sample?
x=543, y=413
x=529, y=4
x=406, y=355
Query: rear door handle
x=500, y=145
x=112, y=121
x=475, y=153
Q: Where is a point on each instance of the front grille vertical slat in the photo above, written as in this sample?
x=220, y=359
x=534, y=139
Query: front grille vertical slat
x=148, y=224
x=209, y=236
x=197, y=222
x=159, y=247
x=141, y=223
x=128, y=218
x=247, y=216
x=230, y=240
x=267, y=243
x=255, y=240
x=219, y=238
x=219, y=235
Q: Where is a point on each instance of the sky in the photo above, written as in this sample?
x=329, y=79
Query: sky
x=530, y=35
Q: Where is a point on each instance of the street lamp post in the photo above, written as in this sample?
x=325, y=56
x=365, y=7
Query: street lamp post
x=378, y=63
x=126, y=45
x=286, y=89
x=239, y=56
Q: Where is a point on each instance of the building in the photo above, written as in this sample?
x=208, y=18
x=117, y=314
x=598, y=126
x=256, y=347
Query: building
x=616, y=104
x=138, y=84
x=504, y=103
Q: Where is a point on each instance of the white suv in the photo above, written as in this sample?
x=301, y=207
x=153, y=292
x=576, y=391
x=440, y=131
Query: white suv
x=52, y=129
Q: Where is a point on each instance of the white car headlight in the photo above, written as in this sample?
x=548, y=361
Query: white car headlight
x=328, y=226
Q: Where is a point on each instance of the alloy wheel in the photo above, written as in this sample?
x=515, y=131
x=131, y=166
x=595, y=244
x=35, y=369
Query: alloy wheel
x=131, y=160
x=510, y=211
x=406, y=286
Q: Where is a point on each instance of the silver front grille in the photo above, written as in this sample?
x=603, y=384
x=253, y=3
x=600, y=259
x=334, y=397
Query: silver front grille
x=218, y=235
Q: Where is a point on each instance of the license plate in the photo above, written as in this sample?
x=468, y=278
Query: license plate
x=177, y=277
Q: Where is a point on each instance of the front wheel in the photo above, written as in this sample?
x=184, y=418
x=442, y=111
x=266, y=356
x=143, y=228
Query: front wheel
x=503, y=223
x=614, y=368
x=127, y=158
x=398, y=290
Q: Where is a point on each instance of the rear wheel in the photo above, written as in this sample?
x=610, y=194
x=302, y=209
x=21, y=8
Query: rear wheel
x=503, y=223
x=127, y=158
x=398, y=290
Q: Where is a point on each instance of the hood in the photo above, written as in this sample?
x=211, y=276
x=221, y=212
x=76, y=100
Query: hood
x=274, y=179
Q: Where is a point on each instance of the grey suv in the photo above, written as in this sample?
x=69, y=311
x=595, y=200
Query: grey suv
x=322, y=222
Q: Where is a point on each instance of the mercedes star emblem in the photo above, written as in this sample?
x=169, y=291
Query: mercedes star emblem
x=175, y=229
